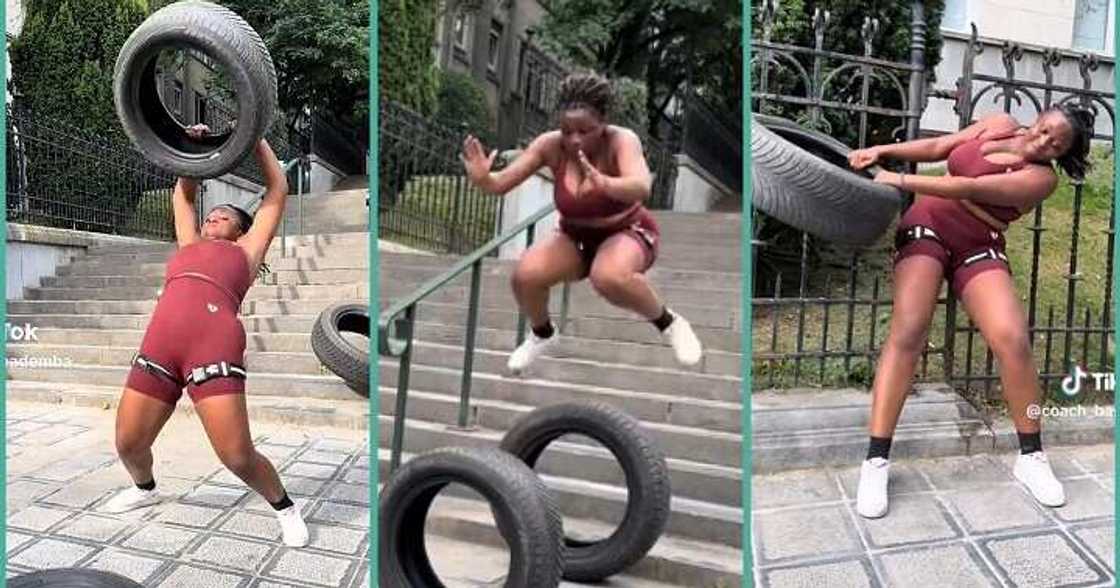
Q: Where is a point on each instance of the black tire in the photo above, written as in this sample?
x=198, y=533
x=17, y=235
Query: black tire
x=344, y=359
x=823, y=146
x=227, y=39
x=642, y=462
x=524, y=510
x=821, y=196
x=71, y=578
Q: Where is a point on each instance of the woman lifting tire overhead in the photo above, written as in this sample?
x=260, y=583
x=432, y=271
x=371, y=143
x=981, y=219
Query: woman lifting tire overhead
x=195, y=341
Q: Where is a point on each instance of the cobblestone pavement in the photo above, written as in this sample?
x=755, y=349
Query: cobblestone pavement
x=959, y=521
x=212, y=532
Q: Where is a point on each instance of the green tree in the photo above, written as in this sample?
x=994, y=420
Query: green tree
x=62, y=74
x=462, y=102
x=406, y=67
x=665, y=43
x=320, y=49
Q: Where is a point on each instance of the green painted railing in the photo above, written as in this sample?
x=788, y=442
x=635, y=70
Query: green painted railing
x=396, y=325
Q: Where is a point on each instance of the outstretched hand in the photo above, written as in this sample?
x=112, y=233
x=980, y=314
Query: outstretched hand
x=593, y=179
x=197, y=131
x=475, y=160
x=862, y=158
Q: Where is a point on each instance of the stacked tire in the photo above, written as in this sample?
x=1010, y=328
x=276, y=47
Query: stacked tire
x=524, y=508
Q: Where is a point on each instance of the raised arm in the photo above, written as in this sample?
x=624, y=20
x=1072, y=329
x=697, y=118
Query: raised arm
x=1021, y=189
x=478, y=165
x=933, y=148
x=186, y=215
x=271, y=210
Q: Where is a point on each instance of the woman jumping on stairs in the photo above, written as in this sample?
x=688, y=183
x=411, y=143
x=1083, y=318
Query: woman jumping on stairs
x=601, y=179
x=998, y=170
x=195, y=341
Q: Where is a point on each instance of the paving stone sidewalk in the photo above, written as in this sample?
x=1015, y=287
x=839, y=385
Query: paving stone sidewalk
x=959, y=521
x=214, y=532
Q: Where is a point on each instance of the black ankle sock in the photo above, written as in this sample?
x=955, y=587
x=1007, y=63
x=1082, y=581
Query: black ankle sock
x=149, y=485
x=662, y=322
x=544, y=331
x=283, y=503
x=879, y=447
x=1030, y=442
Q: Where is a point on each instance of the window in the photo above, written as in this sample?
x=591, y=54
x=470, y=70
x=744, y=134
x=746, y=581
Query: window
x=176, y=88
x=495, y=46
x=955, y=16
x=461, y=29
x=200, y=114
x=1090, y=24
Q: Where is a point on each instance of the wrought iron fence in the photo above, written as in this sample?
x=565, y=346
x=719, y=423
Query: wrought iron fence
x=62, y=176
x=821, y=311
x=425, y=199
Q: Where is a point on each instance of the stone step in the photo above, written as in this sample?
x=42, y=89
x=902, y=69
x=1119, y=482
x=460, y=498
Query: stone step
x=692, y=399
x=261, y=341
x=807, y=429
x=707, y=280
x=277, y=362
x=692, y=519
x=676, y=381
x=274, y=277
x=297, y=411
x=505, y=316
x=325, y=293
x=622, y=331
x=326, y=387
x=292, y=240
x=616, y=350
x=145, y=307
x=157, y=265
x=436, y=416
x=474, y=541
x=252, y=323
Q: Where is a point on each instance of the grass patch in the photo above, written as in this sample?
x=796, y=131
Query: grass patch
x=440, y=213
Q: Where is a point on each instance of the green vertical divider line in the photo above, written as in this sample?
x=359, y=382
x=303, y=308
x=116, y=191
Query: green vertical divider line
x=4, y=307
x=374, y=298
x=747, y=264
x=1116, y=304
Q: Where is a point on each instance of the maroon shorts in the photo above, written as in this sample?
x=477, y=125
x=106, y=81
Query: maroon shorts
x=943, y=229
x=640, y=226
x=195, y=324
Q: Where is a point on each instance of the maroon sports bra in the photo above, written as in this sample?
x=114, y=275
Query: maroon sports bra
x=217, y=261
x=966, y=160
x=593, y=205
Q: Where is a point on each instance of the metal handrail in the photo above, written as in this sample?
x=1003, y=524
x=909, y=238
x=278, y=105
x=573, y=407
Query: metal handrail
x=396, y=331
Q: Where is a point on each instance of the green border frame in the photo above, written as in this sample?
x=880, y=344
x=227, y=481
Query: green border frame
x=747, y=263
x=4, y=304
x=374, y=297
x=1115, y=286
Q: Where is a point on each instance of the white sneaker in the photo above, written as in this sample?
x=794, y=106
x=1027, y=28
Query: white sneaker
x=683, y=340
x=132, y=498
x=292, y=528
x=529, y=351
x=1033, y=470
x=871, y=497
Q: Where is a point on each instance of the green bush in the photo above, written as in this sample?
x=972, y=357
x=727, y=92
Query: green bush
x=62, y=68
x=406, y=66
x=461, y=104
x=630, y=105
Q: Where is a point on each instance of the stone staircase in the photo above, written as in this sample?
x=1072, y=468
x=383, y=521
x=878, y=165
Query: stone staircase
x=606, y=354
x=90, y=318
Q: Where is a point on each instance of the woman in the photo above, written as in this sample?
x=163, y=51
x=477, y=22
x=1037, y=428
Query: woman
x=998, y=170
x=600, y=180
x=195, y=340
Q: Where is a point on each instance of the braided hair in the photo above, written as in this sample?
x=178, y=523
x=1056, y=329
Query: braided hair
x=1075, y=161
x=585, y=90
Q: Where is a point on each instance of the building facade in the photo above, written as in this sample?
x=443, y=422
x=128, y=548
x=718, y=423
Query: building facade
x=1074, y=27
